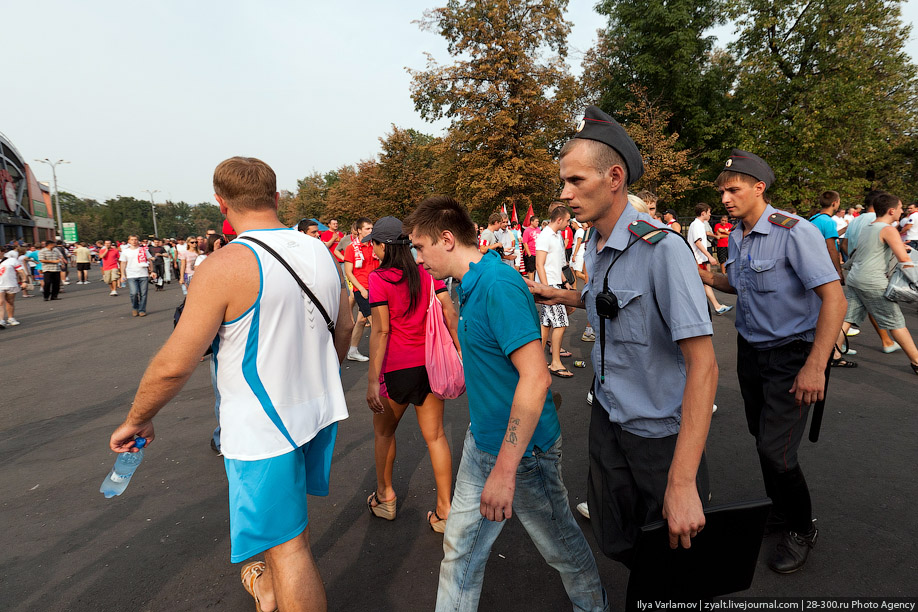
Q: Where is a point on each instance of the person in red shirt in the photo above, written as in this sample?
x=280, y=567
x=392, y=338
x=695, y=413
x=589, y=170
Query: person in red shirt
x=401, y=291
x=109, y=254
x=331, y=237
x=359, y=261
x=722, y=232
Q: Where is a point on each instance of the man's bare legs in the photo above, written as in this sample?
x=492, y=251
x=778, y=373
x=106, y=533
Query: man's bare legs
x=291, y=581
x=359, y=325
x=708, y=291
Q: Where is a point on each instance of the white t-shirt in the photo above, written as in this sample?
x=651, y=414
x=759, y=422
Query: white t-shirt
x=696, y=231
x=181, y=247
x=577, y=257
x=549, y=242
x=506, y=239
x=8, y=278
x=137, y=261
x=840, y=223
x=912, y=233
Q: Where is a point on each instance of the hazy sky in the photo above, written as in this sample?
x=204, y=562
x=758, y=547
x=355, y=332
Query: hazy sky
x=154, y=95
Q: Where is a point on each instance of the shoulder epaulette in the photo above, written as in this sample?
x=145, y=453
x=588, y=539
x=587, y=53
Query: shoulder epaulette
x=782, y=220
x=647, y=232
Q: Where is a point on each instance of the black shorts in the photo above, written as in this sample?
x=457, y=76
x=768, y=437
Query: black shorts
x=83, y=267
x=529, y=262
x=408, y=386
x=722, y=254
x=363, y=304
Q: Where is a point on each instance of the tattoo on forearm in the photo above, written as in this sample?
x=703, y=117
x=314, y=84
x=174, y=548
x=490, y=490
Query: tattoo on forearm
x=511, y=431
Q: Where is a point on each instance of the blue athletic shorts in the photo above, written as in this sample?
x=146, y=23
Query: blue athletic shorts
x=267, y=498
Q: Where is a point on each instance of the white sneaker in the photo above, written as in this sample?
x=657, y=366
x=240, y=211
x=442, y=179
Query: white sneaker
x=588, y=337
x=2, y=324
x=853, y=332
x=590, y=397
x=715, y=409
x=354, y=355
x=66, y=283
x=890, y=349
x=583, y=509
x=12, y=321
x=113, y=293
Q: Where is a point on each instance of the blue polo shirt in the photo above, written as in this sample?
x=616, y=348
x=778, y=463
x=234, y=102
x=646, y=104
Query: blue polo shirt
x=661, y=300
x=497, y=315
x=774, y=270
x=825, y=224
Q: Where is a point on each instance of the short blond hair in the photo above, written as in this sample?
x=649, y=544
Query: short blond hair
x=245, y=183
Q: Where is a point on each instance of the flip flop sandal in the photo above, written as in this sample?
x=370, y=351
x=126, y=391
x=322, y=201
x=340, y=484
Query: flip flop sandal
x=565, y=353
x=562, y=373
x=841, y=362
x=914, y=367
x=250, y=573
x=382, y=509
x=439, y=525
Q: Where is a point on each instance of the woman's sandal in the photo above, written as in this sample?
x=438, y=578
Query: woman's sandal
x=841, y=362
x=914, y=367
x=382, y=509
x=439, y=525
x=250, y=573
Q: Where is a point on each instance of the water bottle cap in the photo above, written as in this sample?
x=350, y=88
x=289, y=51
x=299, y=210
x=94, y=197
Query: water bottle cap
x=140, y=442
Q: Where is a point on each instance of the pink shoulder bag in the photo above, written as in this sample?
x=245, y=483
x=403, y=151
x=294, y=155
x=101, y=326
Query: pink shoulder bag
x=444, y=367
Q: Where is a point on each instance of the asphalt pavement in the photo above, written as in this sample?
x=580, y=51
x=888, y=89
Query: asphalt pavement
x=70, y=370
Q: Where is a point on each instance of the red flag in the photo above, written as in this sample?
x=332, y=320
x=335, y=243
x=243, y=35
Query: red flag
x=528, y=217
x=515, y=219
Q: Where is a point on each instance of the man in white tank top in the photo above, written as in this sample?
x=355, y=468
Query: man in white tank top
x=279, y=408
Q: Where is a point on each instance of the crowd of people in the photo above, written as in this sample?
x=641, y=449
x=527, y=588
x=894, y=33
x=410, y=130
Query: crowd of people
x=276, y=305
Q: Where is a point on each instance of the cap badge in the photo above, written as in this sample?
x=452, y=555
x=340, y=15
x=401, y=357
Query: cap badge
x=729, y=162
x=581, y=124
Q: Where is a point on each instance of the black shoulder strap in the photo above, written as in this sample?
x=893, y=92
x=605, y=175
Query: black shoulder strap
x=329, y=323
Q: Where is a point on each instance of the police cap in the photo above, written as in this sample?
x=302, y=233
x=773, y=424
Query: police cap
x=751, y=164
x=597, y=125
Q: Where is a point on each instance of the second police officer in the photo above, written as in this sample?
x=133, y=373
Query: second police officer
x=789, y=309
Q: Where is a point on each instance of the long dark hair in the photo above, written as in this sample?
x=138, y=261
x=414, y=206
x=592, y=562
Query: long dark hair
x=398, y=257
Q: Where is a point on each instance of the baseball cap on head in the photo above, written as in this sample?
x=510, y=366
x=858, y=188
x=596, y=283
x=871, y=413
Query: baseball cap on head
x=751, y=164
x=599, y=126
x=388, y=230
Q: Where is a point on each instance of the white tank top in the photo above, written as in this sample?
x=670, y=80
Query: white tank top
x=275, y=370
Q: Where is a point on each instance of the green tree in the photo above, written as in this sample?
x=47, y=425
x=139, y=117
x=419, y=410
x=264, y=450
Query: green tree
x=508, y=94
x=668, y=173
x=663, y=47
x=828, y=94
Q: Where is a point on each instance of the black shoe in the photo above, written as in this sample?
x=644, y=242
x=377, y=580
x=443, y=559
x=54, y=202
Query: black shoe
x=792, y=551
x=213, y=447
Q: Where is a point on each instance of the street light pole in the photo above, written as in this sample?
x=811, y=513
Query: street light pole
x=57, y=199
x=153, y=205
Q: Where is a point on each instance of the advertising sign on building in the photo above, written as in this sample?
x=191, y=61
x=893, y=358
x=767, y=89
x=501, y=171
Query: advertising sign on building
x=70, y=232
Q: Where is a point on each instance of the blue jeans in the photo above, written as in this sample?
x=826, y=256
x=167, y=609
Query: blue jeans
x=138, y=289
x=541, y=504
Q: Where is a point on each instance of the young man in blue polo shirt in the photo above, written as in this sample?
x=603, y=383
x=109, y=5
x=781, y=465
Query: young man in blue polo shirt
x=511, y=460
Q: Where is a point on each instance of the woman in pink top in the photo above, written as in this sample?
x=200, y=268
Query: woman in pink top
x=399, y=296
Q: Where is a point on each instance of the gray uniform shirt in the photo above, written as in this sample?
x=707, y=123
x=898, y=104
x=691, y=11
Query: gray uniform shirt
x=661, y=301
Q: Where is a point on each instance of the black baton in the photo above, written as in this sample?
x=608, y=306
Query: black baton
x=820, y=407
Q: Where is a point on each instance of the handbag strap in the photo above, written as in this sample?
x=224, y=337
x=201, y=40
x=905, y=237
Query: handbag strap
x=328, y=322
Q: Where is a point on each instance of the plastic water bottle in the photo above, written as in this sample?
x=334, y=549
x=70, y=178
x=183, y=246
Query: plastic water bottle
x=120, y=476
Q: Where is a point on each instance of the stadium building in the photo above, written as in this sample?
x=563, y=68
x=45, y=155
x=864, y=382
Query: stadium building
x=25, y=204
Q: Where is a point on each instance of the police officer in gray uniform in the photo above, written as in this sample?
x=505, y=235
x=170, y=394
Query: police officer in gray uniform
x=647, y=434
x=789, y=309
